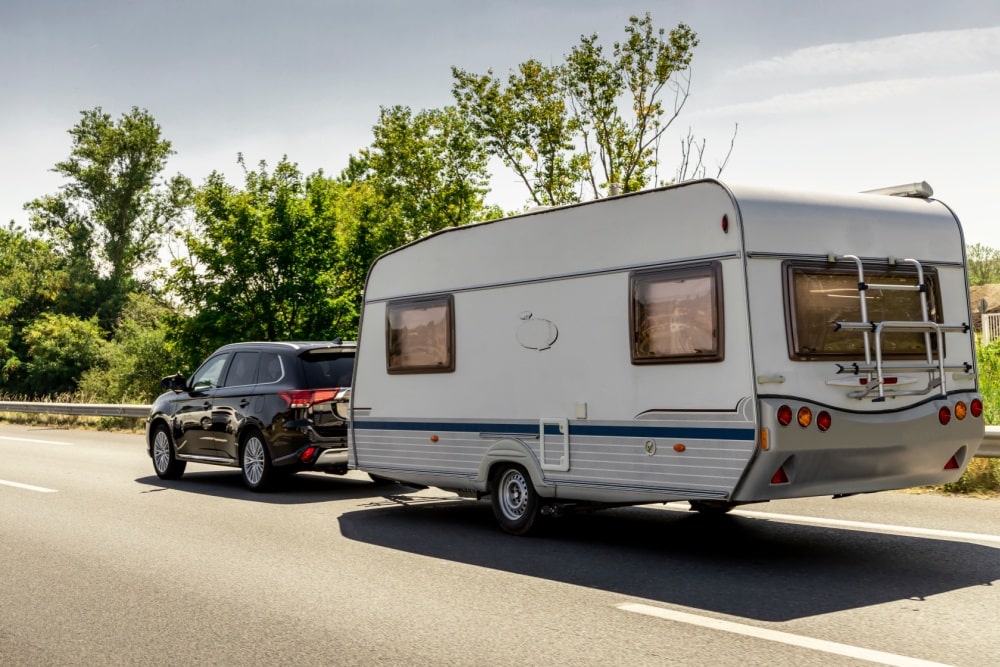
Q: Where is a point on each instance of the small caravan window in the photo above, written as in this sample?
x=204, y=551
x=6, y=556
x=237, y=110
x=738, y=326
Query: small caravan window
x=817, y=295
x=676, y=315
x=420, y=335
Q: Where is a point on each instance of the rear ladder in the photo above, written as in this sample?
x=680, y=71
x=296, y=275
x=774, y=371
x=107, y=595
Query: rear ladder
x=875, y=370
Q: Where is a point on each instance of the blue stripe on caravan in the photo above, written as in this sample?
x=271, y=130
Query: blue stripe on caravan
x=619, y=431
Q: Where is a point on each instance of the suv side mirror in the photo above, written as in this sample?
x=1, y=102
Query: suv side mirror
x=176, y=383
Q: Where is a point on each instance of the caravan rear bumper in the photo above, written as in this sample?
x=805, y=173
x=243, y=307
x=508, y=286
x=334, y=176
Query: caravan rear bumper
x=861, y=451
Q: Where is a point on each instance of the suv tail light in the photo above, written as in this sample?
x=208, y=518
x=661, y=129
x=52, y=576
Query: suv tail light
x=306, y=398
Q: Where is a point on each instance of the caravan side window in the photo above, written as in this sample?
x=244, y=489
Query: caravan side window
x=817, y=295
x=420, y=335
x=676, y=315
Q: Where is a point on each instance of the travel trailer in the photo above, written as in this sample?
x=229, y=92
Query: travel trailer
x=703, y=342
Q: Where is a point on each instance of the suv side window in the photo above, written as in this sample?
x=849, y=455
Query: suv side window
x=210, y=373
x=243, y=370
x=271, y=368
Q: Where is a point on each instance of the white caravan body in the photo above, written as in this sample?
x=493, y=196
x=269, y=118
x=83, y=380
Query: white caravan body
x=700, y=342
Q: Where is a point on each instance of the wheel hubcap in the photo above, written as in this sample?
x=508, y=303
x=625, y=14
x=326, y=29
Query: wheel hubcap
x=253, y=460
x=513, y=494
x=161, y=451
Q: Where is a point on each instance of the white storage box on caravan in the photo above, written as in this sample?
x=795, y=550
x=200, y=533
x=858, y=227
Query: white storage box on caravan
x=701, y=342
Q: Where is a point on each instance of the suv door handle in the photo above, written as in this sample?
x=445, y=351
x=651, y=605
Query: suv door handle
x=207, y=405
x=244, y=403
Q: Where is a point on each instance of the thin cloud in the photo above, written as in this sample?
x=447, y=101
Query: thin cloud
x=832, y=97
x=916, y=52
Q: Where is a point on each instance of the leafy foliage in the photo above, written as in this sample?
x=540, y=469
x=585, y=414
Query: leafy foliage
x=136, y=357
x=428, y=171
x=109, y=218
x=261, y=261
x=60, y=349
x=33, y=281
x=562, y=128
x=984, y=264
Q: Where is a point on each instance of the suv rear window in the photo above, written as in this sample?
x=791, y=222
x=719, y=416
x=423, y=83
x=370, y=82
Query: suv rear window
x=325, y=370
x=816, y=296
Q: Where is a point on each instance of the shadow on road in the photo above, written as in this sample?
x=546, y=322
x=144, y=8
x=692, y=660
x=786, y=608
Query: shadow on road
x=297, y=489
x=748, y=567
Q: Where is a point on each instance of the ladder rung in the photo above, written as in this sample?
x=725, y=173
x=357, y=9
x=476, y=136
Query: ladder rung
x=897, y=288
x=914, y=326
x=900, y=367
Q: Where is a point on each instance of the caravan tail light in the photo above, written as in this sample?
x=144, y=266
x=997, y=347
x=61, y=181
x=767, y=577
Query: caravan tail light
x=784, y=415
x=824, y=421
x=976, y=408
x=804, y=417
x=960, y=410
x=306, y=398
x=952, y=464
x=944, y=415
x=779, y=477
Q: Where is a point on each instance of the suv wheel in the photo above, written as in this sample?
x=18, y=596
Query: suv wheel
x=255, y=462
x=164, y=462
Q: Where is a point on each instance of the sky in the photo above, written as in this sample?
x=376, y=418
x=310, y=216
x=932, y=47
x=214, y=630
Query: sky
x=836, y=96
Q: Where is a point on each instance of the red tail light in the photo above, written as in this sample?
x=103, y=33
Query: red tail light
x=976, y=408
x=307, y=454
x=306, y=398
x=784, y=415
x=824, y=421
x=944, y=415
x=952, y=464
x=779, y=477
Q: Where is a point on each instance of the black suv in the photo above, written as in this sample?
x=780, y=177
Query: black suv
x=262, y=407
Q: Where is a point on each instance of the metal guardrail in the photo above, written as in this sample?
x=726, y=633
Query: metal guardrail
x=85, y=409
x=989, y=449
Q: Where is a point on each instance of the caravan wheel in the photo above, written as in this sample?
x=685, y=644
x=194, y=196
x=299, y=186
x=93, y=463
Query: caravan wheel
x=515, y=501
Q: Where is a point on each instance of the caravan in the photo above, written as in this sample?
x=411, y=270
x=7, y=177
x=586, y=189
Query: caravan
x=702, y=342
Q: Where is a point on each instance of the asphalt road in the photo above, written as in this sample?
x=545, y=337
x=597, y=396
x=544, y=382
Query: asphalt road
x=102, y=563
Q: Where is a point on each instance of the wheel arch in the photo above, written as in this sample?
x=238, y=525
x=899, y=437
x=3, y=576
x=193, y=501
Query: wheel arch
x=508, y=451
x=155, y=422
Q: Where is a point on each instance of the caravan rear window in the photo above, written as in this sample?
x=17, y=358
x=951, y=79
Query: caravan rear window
x=420, y=335
x=816, y=296
x=676, y=315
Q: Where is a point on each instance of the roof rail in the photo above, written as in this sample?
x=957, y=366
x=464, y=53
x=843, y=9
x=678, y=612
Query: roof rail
x=923, y=190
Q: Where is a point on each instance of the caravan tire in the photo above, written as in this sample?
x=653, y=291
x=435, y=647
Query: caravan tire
x=515, y=502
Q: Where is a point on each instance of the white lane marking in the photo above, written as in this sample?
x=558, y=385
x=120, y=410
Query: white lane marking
x=40, y=442
x=782, y=637
x=862, y=525
x=27, y=487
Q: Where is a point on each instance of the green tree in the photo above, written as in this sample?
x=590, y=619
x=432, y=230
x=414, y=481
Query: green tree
x=428, y=170
x=984, y=264
x=644, y=66
x=110, y=216
x=137, y=356
x=261, y=262
x=33, y=281
x=526, y=123
x=594, y=122
x=60, y=349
